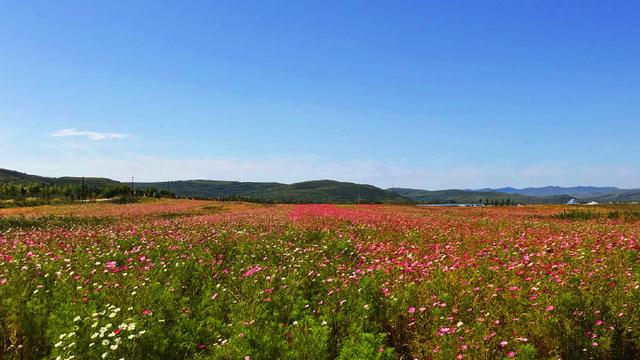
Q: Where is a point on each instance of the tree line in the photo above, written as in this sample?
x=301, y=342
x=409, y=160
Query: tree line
x=76, y=192
x=495, y=202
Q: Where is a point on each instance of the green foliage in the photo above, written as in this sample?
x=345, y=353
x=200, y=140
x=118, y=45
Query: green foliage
x=366, y=346
x=578, y=214
x=9, y=223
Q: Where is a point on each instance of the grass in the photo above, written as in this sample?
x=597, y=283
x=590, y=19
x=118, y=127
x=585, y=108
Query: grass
x=9, y=223
x=578, y=215
x=624, y=212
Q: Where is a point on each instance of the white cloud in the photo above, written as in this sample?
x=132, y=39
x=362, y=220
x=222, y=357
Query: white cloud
x=91, y=135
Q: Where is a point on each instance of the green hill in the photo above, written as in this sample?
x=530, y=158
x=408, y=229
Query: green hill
x=214, y=189
x=329, y=191
x=456, y=196
x=318, y=191
x=10, y=176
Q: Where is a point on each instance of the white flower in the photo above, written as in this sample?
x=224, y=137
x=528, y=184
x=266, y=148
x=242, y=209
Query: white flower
x=58, y=344
x=113, y=347
x=105, y=354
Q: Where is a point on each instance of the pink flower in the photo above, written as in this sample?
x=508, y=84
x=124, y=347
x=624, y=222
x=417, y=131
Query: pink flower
x=550, y=308
x=412, y=310
x=488, y=337
x=599, y=322
x=247, y=357
x=201, y=346
x=147, y=312
x=594, y=344
x=252, y=270
x=503, y=343
x=511, y=354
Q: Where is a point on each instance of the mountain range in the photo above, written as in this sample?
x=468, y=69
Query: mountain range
x=472, y=197
x=330, y=191
x=556, y=190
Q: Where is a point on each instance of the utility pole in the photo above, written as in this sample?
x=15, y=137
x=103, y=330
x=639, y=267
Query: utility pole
x=82, y=190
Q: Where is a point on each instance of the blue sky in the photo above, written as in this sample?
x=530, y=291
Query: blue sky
x=426, y=94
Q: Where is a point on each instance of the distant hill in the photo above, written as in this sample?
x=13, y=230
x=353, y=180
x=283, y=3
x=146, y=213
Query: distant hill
x=211, y=188
x=318, y=191
x=18, y=177
x=617, y=196
x=329, y=191
x=334, y=192
x=576, y=191
x=472, y=197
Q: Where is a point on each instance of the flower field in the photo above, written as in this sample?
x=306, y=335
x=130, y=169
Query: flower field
x=175, y=279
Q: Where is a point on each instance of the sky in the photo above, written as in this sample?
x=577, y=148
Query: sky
x=423, y=94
